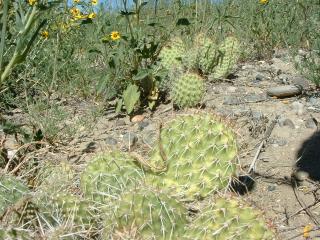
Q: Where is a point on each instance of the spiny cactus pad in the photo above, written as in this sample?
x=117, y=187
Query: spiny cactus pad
x=14, y=234
x=171, y=54
x=109, y=174
x=145, y=214
x=199, y=151
x=229, y=219
x=11, y=191
x=230, y=53
x=207, y=53
x=188, y=90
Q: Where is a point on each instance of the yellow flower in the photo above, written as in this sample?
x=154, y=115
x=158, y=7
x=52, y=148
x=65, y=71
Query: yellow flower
x=75, y=12
x=32, y=2
x=92, y=15
x=94, y=2
x=115, y=35
x=76, y=1
x=306, y=231
x=263, y=1
x=44, y=34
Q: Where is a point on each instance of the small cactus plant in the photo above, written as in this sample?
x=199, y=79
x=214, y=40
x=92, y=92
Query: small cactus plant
x=146, y=214
x=199, y=151
x=171, y=54
x=11, y=191
x=188, y=90
x=108, y=175
x=230, y=49
x=228, y=218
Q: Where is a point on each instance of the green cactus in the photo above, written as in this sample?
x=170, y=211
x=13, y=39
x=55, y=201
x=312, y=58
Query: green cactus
x=199, y=151
x=145, y=214
x=229, y=219
x=171, y=54
x=108, y=175
x=69, y=207
x=11, y=191
x=14, y=234
x=207, y=53
x=188, y=90
x=230, y=50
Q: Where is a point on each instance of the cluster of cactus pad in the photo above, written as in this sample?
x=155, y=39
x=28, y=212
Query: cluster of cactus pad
x=214, y=60
x=119, y=198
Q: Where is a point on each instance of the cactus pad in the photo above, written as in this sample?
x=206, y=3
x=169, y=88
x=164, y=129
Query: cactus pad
x=171, y=54
x=227, y=219
x=145, y=214
x=199, y=151
x=109, y=174
x=188, y=90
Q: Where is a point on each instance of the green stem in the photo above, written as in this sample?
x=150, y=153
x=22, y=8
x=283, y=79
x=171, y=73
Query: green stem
x=3, y=31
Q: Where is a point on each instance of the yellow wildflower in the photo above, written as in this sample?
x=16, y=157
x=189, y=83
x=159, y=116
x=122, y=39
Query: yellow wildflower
x=44, y=34
x=32, y=2
x=75, y=12
x=92, y=15
x=115, y=35
x=94, y=2
x=264, y=1
x=76, y=1
x=306, y=231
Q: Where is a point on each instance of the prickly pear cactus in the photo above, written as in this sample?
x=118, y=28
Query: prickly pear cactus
x=11, y=191
x=68, y=207
x=14, y=234
x=230, y=50
x=171, y=55
x=55, y=178
x=109, y=174
x=146, y=214
x=198, y=153
x=229, y=219
x=207, y=53
x=188, y=90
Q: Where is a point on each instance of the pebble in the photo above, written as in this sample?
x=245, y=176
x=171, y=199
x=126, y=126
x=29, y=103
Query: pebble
x=137, y=118
x=111, y=141
x=284, y=91
x=310, y=123
x=286, y=122
x=298, y=108
x=259, y=77
x=130, y=138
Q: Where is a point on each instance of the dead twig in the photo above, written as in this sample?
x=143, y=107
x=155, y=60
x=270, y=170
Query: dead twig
x=263, y=142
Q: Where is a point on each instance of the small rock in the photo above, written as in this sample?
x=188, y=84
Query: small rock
x=300, y=175
x=300, y=81
x=271, y=188
x=120, y=122
x=284, y=91
x=231, y=89
x=256, y=115
x=284, y=78
x=310, y=123
x=298, y=108
x=231, y=100
x=149, y=138
x=130, y=138
x=111, y=141
x=286, y=122
x=11, y=153
x=137, y=118
x=259, y=77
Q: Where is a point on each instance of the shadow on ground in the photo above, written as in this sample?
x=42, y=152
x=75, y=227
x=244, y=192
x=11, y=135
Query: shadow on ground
x=308, y=157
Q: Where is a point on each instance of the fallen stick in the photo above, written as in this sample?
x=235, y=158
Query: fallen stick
x=263, y=142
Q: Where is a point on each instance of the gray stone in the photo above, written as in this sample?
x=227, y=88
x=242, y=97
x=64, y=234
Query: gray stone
x=286, y=122
x=111, y=141
x=149, y=138
x=284, y=91
x=142, y=125
x=310, y=123
x=300, y=81
x=130, y=138
x=231, y=100
x=259, y=77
